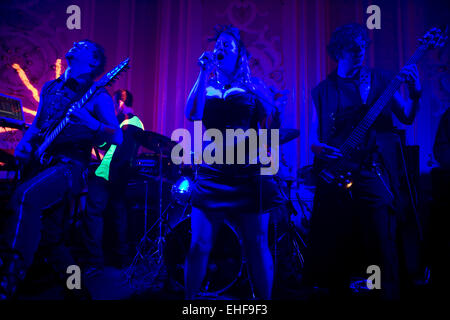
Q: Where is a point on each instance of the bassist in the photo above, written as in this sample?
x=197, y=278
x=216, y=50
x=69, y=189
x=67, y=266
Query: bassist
x=355, y=228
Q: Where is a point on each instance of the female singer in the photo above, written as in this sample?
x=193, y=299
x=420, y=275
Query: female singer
x=222, y=99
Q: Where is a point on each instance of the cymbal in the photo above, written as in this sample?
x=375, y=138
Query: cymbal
x=155, y=142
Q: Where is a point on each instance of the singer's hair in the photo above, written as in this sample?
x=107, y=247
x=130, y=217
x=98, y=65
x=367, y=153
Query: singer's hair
x=343, y=38
x=129, y=97
x=242, y=73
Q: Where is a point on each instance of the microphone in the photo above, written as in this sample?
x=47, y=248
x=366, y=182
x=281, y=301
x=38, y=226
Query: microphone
x=202, y=61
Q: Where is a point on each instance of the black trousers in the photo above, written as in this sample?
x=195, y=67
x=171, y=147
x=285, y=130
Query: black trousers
x=351, y=232
x=105, y=201
x=40, y=214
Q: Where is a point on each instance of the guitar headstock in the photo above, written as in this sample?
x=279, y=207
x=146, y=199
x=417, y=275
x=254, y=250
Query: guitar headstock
x=435, y=38
x=113, y=75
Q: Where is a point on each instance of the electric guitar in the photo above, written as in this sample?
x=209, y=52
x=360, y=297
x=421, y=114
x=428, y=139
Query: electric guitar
x=350, y=138
x=41, y=143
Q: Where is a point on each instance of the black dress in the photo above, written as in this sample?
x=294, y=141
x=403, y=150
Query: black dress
x=233, y=188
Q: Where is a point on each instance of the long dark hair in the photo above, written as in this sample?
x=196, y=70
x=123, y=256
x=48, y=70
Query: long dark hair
x=343, y=37
x=129, y=97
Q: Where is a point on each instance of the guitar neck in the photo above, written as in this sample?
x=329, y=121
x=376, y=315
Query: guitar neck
x=55, y=132
x=361, y=129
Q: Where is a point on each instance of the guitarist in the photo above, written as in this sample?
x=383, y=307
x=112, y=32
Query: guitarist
x=31, y=223
x=356, y=229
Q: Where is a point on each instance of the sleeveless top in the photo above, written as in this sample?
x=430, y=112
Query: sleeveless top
x=234, y=109
x=75, y=141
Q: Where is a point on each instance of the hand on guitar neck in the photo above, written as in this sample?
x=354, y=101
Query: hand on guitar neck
x=410, y=75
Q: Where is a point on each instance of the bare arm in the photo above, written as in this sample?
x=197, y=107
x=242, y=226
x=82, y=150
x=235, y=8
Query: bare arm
x=195, y=103
x=406, y=110
x=320, y=149
x=107, y=127
x=104, y=123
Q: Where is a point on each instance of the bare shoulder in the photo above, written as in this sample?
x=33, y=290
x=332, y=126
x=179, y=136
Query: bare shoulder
x=102, y=105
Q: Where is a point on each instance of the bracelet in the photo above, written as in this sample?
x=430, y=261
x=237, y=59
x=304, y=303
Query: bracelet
x=415, y=95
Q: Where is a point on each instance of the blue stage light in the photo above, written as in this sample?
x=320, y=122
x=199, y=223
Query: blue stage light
x=181, y=190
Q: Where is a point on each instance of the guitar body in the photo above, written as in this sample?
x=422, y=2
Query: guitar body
x=340, y=171
x=344, y=123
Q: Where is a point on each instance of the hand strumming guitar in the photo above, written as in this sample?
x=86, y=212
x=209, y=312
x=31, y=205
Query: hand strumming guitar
x=325, y=151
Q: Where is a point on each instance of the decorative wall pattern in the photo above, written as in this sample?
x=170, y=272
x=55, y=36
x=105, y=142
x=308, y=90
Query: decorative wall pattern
x=264, y=45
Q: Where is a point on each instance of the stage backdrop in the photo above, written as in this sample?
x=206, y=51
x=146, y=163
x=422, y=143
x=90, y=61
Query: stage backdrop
x=287, y=40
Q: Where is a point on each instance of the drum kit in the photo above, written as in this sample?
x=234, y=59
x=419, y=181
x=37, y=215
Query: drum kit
x=165, y=243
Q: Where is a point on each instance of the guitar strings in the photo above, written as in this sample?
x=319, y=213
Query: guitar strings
x=355, y=138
